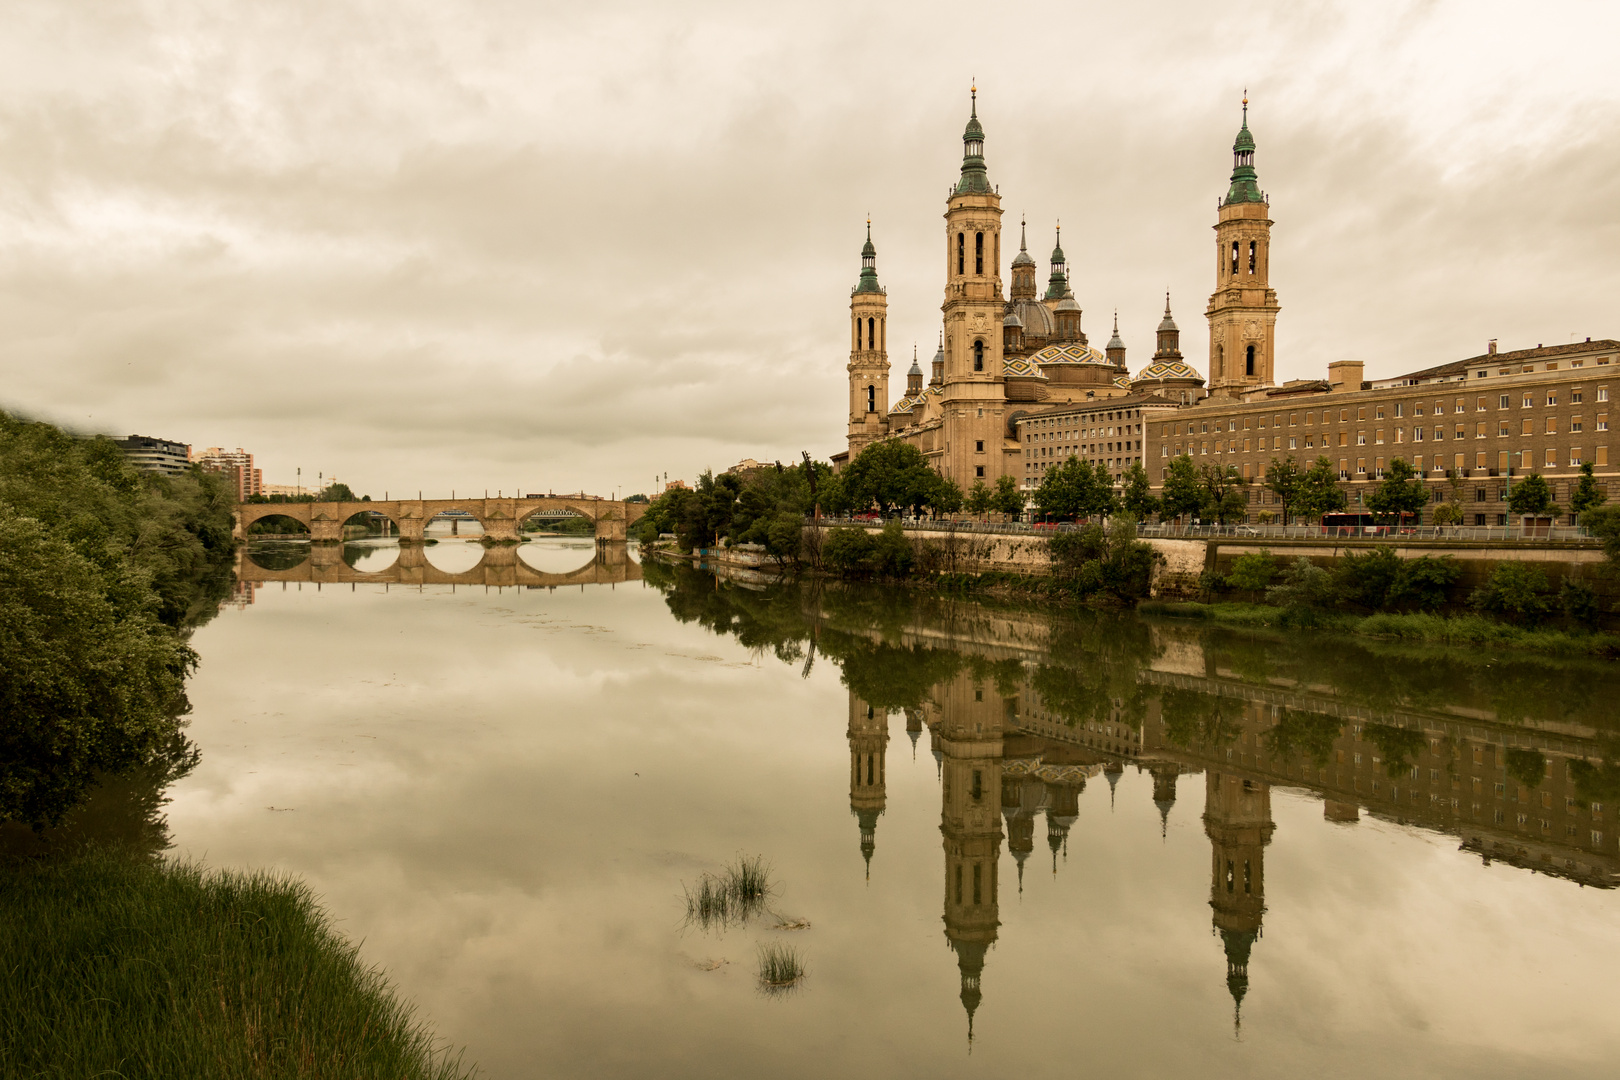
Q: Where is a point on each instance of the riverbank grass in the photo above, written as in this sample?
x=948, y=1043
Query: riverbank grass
x=733, y=896
x=780, y=966
x=1465, y=630
x=117, y=966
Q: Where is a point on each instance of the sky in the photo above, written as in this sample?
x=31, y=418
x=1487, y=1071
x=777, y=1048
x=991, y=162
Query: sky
x=425, y=245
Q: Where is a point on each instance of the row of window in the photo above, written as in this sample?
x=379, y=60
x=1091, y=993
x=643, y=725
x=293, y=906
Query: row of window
x=1575, y=396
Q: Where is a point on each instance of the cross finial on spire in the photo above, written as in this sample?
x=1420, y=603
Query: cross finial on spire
x=1167, y=301
x=1022, y=226
x=869, y=226
x=974, y=91
x=1116, y=322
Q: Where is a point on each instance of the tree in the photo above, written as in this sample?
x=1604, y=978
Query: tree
x=337, y=491
x=888, y=474
x=945, y=495
x=1136, y=493
x=1183, y=494
x=1285, y=480
x=978, y=498
x=1532, y=496
x=1516, y=591
x=1401, y=493
x=1074, y=489
x=1319, y=491
x=1450, y=511
x=1223, y=491
x=1587, y=494
x=1007, y=499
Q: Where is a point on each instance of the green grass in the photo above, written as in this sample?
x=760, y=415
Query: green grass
x=739, y=892
x=780, y=966
x=123, y=967
x=1465, y=630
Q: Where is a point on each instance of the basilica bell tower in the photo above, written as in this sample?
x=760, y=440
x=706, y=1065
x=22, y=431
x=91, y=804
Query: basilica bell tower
x=975, y=395
x=868, y=354
x=1243, y=309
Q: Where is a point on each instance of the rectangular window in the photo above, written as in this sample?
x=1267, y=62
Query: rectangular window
x=1552, y=399
x=1378, y=413
x=1479, y=431
x=1603, y=393
x=1552, y=459
x=1361, y=438
x=1502, y=402
x=1293, y=442
x=1576, y=424
x=1399, y=408
x=978, y=470
x=1501, y=429
x=1574, y=457
x=1603, y=421
x=1552, y=425
x=1479, y=405
x=1527, y=427
x=1361, y=414
x=978, y=446
x=1361, y=466
x=1344, y=414
x=1378, y=436
x=1575, y=397
x=1601, y=457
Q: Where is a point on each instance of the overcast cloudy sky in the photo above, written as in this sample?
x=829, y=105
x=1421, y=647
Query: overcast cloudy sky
x=424, y=245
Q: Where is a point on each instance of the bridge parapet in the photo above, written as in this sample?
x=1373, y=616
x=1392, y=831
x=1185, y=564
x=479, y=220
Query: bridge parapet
x=501, y=518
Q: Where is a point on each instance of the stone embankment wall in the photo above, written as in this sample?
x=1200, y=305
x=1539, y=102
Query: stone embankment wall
x=1186, y=560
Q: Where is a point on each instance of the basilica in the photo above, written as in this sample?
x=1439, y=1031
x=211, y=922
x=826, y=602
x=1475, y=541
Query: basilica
x=1004, y=357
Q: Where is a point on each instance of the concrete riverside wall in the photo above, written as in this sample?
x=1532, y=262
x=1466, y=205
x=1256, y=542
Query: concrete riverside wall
x=1184, y=561
x=1475, y=560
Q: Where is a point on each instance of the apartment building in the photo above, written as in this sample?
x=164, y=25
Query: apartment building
x=1110, y=432
x=155, y=455
x=237, y=466
x=1487, y=419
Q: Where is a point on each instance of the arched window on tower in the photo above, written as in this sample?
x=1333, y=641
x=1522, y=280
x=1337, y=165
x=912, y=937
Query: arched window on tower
x=1252, y=250
x=1220, y=360
x=1234, y=258
x=978, y=253
x=1248, y=368
x=978, y=356
x=871, y=399
x=961, y=253
x=871, y=333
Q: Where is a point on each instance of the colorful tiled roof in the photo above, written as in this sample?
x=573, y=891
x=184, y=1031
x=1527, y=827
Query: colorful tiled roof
x=1019, y=368
x=1070, y=352
x=1169, y=369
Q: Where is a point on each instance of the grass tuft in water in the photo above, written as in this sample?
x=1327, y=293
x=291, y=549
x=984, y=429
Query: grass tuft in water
x=780, y=966
x=733, y=896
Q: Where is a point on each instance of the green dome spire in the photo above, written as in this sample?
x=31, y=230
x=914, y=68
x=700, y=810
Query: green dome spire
x=975, y=177
x=1057, y=286
x=869, y=280
x=1245, y=186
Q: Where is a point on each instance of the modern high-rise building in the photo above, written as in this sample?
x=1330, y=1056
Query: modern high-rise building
x=237, y=466
x=155, y=455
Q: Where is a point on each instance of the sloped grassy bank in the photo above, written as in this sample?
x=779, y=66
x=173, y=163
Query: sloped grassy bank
x=130, y=967
x=1416, y=627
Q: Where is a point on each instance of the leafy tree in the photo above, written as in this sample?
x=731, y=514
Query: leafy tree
x=1285, y=480
x=1007, y=499
x=1401, y=493
x=1579, y=602
x=1074, y=488
x=1309, y=734
x=1319, y=491
x=889, y=474
x=1304, y=586
x=337, y=491
x=945, y=495
x=1397, y=743
x=1424, y=583
x=978, y=498
x=1183, y=493
x=1587, y=495
x=1450, y=511
x=1515, y=591
x=858, y=552
x=1223, y=492
x=1112, y=561
x=1532, y=497
x=1253, y=572
x=1603, y=522
x=1528, y=767
x=1136, y=493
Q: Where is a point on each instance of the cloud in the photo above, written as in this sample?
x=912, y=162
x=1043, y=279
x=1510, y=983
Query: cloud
x=429, y=245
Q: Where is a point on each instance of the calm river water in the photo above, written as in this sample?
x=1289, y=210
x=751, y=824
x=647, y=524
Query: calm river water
x=1024, y=844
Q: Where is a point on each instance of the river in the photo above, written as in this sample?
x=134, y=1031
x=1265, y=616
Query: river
x=1003, y=841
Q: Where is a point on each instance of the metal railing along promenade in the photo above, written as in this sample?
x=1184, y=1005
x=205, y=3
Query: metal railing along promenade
x=1460, y=534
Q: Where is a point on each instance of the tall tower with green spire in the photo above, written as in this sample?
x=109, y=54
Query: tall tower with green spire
x=868, y=354
x=868, y=741
x=975, y=444
x=1243, y=308
x=1237, y=820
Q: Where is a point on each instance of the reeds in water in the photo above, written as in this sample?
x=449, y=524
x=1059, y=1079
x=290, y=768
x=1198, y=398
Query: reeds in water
x=780, y=966
x=731, y=897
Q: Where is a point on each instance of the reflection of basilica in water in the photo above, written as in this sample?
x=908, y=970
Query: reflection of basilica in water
x=1006, y=758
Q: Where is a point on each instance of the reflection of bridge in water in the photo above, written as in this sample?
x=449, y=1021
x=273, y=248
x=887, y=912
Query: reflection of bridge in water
x=500, y=566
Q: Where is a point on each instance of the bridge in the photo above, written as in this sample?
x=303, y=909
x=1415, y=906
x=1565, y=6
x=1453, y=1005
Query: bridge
x=499, y=566
x=502, y=519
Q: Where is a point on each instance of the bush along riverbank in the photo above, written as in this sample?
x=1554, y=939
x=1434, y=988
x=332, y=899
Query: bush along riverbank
x=1380, y=594
x=113, y=961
